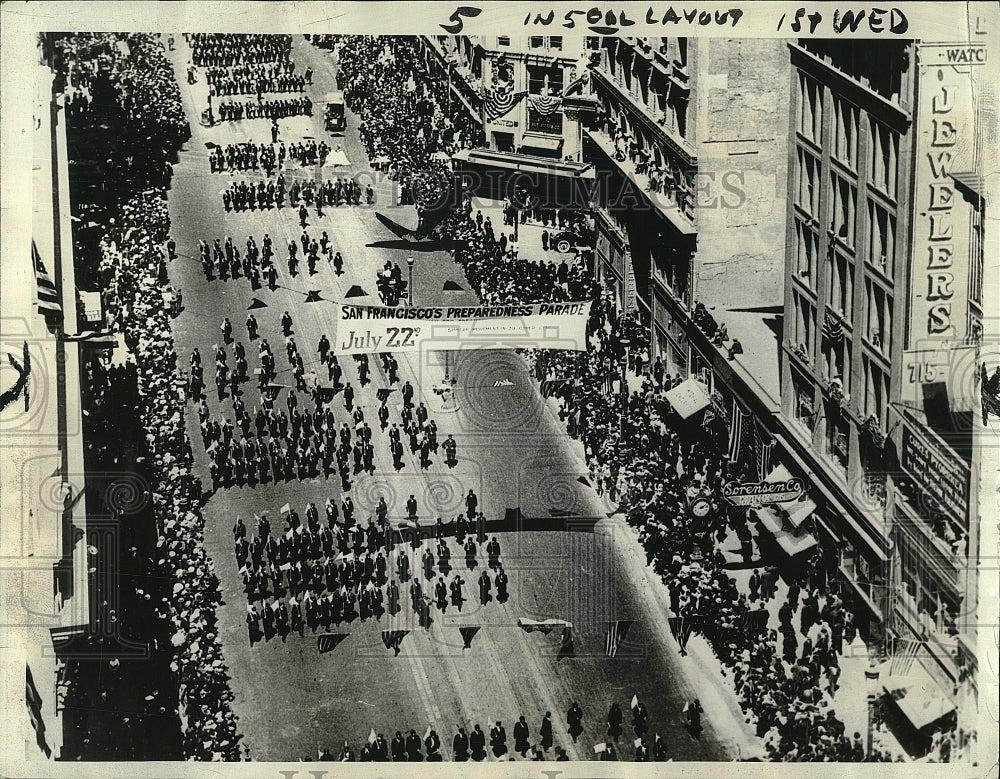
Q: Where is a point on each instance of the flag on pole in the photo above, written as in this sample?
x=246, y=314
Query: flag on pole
x=616, y=635
x=550, y=387
x=427, y=733
x=468, y=633
x=598, y=748
x=637, y=743
x=635, y=702
x=372, y=737
x=765, y=448
x=736, y=432
x=833, y=327
x=681, y=629
x=48, y=294
x=902, y=660
x=393, y=638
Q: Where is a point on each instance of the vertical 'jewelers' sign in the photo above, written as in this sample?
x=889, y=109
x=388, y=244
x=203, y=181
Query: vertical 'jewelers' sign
x=940, y=236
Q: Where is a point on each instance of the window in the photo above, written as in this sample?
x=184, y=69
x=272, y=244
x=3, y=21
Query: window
x=503, y=40
x=846, y=133
x=838, y=442
x=845, y=199
x=876, y=391
x=536, y=42
x=804, y=410
x=593, y=43
x=677, y=101
x=883, y=157
x=682, y=52
x=805, y=326
x=544, y=80
x=840, y=285
x=672, y=268
x=810, y=119
x=807, y=250
x=879, y=317
x=837, y=362
x=555, y=42
x=881, y=238
x=807, y=190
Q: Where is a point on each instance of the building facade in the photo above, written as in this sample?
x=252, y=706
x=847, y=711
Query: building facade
x=523, y=91
x=46, y=577
x=883, y=302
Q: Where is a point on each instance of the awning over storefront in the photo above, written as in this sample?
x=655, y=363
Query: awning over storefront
x=542, y=143
x=871, y=547
x=919, y=697
x=793, y=540
x=688, y=398
x=524, y=163
x=795, y=512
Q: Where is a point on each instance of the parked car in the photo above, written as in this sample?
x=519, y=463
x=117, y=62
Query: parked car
x=567, y=241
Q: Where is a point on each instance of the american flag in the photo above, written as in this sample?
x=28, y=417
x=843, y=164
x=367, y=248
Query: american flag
x=48, y=294
x=765, y=445
x=617, y=631
x=550, y=387
x=902, y=660
x=393, y=638
x=736, y=432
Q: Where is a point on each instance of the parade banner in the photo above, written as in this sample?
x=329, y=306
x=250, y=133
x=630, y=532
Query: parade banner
x=371, y=329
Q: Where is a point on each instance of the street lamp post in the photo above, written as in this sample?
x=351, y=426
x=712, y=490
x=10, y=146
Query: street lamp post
x=871, y=681
x=409, y=283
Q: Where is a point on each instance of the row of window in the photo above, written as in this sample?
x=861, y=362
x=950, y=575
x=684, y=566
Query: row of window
x=649, y=88
x=534, y=42
x=839, y=272
x=882, y=142
x=874, y=400
x=881, y=223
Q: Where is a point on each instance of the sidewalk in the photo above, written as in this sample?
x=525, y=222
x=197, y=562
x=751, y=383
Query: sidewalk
x=849, y=702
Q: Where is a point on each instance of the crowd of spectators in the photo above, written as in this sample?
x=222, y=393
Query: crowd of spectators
x=642, y=455
x=132, y=263
x=404, y=125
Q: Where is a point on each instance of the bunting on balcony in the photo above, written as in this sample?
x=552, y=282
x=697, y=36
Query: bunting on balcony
x=833, y=328
x=501, y=99
x=546, y=104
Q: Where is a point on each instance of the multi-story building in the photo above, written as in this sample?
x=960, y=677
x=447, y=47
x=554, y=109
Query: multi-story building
x=43, y=533
x=883, y=304
x=517, y=87
x=823, y=200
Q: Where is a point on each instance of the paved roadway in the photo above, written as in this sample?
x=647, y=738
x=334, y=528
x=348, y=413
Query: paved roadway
x=290, y=699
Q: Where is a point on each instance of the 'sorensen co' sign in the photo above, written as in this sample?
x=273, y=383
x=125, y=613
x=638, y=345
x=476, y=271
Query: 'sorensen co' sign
x=762, y=492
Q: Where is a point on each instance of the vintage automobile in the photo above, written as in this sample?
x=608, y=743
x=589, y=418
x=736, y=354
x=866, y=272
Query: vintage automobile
x=334, y=117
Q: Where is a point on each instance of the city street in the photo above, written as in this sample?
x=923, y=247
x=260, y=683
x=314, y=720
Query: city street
x=566, y=558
